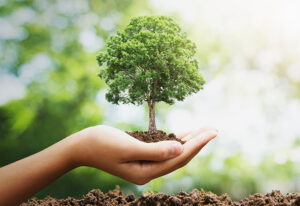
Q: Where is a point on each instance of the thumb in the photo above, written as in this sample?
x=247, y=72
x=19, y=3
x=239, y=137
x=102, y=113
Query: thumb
x=157, y=151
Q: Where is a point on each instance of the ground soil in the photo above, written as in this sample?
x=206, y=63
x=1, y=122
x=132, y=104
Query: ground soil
x=156, y=137
x=196, y=197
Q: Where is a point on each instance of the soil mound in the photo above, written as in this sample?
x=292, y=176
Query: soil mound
x=156, y=137
x=196, y=197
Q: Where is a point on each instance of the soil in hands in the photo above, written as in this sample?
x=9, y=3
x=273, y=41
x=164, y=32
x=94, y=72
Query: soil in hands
x=196, y=197
x=156, y=137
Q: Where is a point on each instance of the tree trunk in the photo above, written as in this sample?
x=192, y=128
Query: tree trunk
x=152, y=125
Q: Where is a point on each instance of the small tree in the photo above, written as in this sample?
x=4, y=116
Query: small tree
x=151, y=60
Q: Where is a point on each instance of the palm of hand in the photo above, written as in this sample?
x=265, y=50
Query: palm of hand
x=118, y=153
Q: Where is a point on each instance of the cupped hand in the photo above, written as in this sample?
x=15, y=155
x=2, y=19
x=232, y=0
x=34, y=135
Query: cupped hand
x=120, y=154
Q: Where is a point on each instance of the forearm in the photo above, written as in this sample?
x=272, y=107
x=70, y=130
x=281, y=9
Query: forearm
x=22, y=179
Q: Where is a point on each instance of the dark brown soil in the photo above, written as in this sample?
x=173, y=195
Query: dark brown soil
x=156, y=137
x=196, y=197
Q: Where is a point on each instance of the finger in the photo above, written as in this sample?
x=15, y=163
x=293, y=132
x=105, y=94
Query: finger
x=150, y=170
x=191, y=148
x=197, y=132
x=186, y=133
x=158, y=151
x=183, y=134
x=201, y=141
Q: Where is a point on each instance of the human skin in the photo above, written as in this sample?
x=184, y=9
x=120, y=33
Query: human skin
x=102, y=147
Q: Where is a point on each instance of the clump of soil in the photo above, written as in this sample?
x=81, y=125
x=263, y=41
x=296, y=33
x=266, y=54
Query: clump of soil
x=156, y=137
x=196, y=197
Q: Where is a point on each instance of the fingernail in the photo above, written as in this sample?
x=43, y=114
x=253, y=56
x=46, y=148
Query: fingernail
x=176, y=149
x=211, y=135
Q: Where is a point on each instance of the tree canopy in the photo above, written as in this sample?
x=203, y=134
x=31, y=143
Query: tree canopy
x=150, y=60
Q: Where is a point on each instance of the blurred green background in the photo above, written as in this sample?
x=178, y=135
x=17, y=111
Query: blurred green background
x=249, y=55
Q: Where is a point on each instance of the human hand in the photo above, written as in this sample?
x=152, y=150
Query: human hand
x=116, y=152
x=102, y=147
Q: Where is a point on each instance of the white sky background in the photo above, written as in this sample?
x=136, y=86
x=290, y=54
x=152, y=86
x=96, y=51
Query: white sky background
x=254, y=108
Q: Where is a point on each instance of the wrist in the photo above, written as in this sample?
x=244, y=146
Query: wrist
x=76, y=148
x=72, y=147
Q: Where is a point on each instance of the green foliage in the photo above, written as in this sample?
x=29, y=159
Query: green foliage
x=151, y=59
